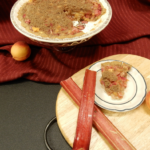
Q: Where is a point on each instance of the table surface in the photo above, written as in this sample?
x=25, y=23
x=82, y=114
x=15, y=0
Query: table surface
x=26, y=107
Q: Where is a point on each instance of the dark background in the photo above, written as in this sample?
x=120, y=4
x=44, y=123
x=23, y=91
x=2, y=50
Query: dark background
x=26, y=107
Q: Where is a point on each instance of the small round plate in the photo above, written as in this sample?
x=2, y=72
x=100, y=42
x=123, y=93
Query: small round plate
x=134, y=93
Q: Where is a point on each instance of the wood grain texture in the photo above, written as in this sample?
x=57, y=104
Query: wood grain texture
x=134, y=125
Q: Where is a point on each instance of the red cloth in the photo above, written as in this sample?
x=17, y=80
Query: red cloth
x=127, y=33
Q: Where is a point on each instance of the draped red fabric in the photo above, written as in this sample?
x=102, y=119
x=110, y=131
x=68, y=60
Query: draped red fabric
x=127, y=33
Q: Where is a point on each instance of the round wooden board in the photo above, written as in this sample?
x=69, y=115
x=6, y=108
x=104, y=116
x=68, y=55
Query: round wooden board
x=134, y=124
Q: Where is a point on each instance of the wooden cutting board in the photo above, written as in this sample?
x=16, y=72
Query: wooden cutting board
x=134, y=124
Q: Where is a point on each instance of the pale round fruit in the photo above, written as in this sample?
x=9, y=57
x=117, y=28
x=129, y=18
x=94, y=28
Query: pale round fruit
x=20, y=51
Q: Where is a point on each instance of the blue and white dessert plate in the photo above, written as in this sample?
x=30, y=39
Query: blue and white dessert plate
x=134, y=93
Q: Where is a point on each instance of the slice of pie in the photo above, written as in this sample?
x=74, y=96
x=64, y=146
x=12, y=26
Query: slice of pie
x=114, y=78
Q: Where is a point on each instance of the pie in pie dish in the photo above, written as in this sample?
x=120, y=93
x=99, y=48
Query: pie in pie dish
x=114, y=78
x=55, y=18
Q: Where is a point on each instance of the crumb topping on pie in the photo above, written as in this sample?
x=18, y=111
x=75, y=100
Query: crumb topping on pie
x=55, y=17
x=114, y=78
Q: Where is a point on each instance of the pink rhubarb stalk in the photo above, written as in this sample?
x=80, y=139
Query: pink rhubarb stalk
x=84, y=123
x=100, y=121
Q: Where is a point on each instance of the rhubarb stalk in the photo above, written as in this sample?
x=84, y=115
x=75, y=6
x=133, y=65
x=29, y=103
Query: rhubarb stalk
x=84, y=123
x=100, y=121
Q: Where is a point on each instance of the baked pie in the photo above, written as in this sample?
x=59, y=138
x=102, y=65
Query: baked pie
x=55, y=18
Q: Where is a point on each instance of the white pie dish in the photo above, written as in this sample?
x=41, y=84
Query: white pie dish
x=97, y=27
